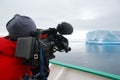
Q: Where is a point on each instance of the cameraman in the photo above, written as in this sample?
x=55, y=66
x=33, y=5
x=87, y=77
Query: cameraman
x=11, y=67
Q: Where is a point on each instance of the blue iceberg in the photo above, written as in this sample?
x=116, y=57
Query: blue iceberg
x=103, y=37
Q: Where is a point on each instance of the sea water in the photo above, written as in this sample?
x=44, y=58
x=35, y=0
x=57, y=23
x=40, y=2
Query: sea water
x=104, y=58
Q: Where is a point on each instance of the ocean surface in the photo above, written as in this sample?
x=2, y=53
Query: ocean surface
x=104, y=58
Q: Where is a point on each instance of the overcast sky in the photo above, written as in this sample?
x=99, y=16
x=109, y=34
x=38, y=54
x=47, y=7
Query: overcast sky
x=82, y=14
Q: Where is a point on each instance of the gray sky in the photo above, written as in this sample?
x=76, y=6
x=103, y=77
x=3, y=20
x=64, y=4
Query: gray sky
x=82, y=14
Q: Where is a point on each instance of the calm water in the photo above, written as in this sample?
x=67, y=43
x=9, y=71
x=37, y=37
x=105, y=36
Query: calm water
x=99, y=57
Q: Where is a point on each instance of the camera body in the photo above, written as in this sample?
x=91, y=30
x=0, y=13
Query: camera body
x=28, y=47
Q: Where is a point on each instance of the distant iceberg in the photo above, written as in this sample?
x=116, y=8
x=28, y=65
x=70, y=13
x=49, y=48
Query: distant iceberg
x=103, y=37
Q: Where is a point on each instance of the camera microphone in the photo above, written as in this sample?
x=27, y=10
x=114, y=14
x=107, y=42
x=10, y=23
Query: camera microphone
x=65, y=28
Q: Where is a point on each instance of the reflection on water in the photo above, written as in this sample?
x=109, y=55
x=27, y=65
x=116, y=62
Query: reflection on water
x=103, y=49
x=100, y=57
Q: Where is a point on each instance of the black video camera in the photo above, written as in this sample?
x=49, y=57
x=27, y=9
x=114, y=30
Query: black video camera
x=38, y=49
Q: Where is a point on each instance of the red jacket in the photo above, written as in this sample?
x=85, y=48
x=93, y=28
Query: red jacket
x=11, y=68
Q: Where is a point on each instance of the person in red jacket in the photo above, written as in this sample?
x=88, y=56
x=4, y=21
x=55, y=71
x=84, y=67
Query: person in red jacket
x=11, y=67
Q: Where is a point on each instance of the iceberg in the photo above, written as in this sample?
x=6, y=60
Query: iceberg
x=103, y=37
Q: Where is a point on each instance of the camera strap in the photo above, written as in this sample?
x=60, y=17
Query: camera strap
x=42, y=64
